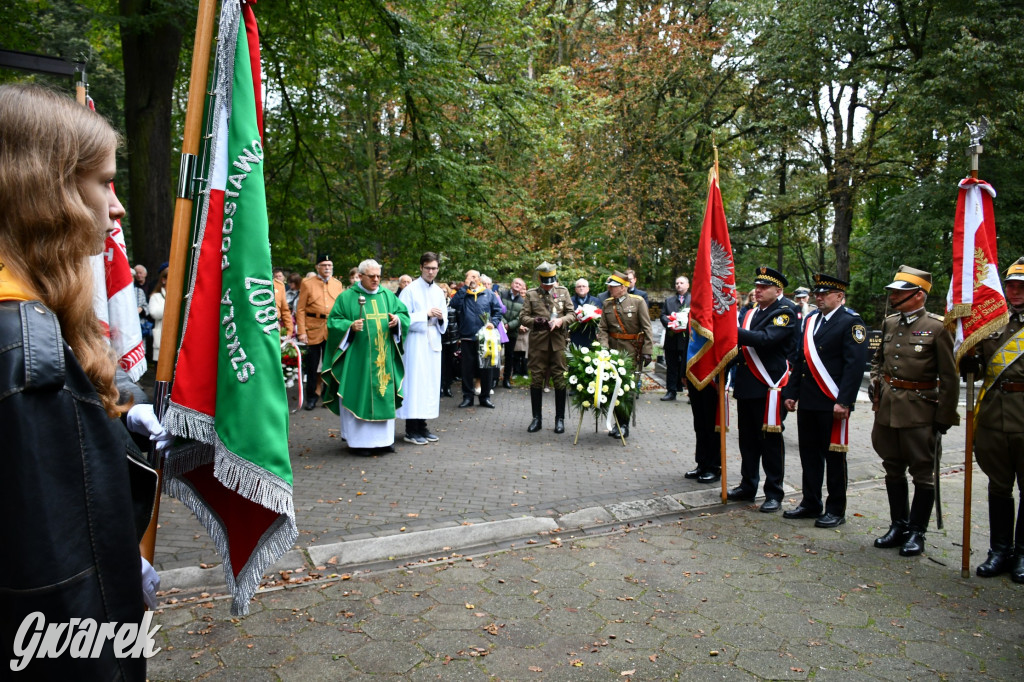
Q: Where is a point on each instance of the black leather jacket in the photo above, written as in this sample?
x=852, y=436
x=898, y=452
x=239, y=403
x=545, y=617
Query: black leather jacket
x=69, y=536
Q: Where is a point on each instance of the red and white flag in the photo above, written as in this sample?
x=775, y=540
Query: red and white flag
x=975, y=304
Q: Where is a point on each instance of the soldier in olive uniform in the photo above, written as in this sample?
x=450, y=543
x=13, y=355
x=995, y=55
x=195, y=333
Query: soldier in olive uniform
x=999, y=430
x=625, y=326
x=547, y=312
x=915, y=387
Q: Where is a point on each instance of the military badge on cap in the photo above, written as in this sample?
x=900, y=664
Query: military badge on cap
x=801, y=292
x=617, y=279
x=323, y=258
x=1015, y=271
x=547, y=273
x=825, y=283
x=910, y=279
x=769, y=277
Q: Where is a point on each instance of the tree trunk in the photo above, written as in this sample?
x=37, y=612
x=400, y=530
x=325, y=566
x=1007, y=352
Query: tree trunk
x=150, y=47
x=841, y=192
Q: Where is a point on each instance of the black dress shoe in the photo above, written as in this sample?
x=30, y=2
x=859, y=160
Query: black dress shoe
x=670, y=395
x=615, y=432
x=800, y=512
x=914, y=544
x=466, y=402
x=534, y=426
x=895, y=537
x=311, y=403
x=446, y=392
x=709, y=476
x=770, y=506
x=739, y=494
x=829, y=520
x=997, y=563
x=559, y=425
x=1017, y=569
x=505, y=383
x=485, y=402
x=693, y=473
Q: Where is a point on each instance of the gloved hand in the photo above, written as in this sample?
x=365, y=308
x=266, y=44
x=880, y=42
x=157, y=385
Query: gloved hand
x=645, y=359
x=970, y=364
x=150, y=583
x=142, y=420
x=940, y=428
x=541, y=323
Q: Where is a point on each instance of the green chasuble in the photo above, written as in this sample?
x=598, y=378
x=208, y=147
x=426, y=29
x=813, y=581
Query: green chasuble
x=367, y=375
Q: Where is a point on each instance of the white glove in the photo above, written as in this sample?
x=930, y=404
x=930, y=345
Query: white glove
x=142, y=420
x=150, y=583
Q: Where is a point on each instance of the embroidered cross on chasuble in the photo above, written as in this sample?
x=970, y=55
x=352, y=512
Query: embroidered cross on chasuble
x=364, y=369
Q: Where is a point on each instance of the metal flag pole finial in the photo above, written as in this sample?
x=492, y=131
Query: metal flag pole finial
x=978, y=130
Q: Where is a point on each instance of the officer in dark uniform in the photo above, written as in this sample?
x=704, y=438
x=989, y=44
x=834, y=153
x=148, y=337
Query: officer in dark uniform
x=914, y=388
x=547, y=312
x=822, y=390
x=767, y=336
x=626, y=327
x=999, y=430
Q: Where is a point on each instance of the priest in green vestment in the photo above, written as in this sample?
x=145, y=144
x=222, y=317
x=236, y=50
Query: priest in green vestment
x=363, y=367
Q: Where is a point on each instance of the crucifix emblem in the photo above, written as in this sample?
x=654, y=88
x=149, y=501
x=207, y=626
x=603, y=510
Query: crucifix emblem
x=383, y=378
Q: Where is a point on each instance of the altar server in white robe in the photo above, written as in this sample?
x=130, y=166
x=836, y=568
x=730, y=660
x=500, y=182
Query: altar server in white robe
x=428, y=321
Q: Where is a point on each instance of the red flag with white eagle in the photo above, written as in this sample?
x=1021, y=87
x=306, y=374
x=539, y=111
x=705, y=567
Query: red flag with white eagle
x=975, y=304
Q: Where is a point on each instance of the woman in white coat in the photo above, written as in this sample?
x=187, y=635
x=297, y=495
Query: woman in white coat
x=156, y=311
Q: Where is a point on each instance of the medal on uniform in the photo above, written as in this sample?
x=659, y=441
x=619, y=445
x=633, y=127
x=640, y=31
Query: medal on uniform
x=918, y=348
x=629, y=314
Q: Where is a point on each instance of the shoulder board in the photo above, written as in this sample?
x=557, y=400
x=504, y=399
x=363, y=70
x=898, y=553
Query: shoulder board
x=892, y=315
x=940, y=318
x=639, y=298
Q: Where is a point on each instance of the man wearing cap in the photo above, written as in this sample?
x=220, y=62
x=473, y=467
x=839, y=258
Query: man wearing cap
x=999, y=430
x=547, y=312
x=767, y=337
x=822, y=390
x=801, y=296
x=914, y=388
x=316, y=299
x=626, y=327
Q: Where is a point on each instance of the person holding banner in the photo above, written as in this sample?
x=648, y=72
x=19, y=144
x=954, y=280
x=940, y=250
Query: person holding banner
x=822, y=391
x=999, y=430
x=768, y=337
x=73, y=516
x=914, y=388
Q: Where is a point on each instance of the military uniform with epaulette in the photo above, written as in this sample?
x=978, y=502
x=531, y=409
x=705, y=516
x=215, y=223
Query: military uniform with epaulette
x=999, y=432
x=915, y=389
x=543, y=305
x=625, y=327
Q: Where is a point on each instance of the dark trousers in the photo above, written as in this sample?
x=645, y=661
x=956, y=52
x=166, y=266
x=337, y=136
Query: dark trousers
x=447, y=364
x=759, y=448
x=814, y=429
x=704, y=407
x=509, y=350
x=471, y=369
x=313, y=354
x=675, y=365
x=415, y=427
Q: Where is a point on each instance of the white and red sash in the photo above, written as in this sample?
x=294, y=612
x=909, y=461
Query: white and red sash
x=772, y=406
x=840, y=441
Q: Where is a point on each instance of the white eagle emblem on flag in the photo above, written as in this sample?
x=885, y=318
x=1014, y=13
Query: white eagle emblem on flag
x=721, y=268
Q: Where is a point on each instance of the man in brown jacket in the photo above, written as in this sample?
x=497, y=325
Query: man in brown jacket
x=316, y=298
x=547, y=312
x=999, y=430
x=915, y=388
x=626, y=327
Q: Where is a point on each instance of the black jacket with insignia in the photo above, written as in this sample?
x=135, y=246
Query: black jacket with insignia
x=841, y=342
x=773, y=333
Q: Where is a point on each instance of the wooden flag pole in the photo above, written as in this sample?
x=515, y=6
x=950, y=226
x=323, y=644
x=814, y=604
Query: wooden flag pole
x=721, y=432
x=965, y=553
x=205, y=22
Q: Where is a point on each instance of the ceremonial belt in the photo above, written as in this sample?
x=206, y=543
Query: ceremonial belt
x=912, y=385
x=322, y=317
x=773, y=405
x=1011, y=386
x=839, y=441
x=621, y=335
x=1000, y=360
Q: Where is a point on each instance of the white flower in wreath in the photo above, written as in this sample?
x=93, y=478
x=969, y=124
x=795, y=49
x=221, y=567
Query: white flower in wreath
x=586, y=403
x=604, y=399
x=587, y=360
x=622, y=371
x=606, y=388
x=573, y=380
x=584, y=350
x=590, y=387
x=632, y=385
x=613, y=352
x=616, y=403
x=620, y=392
x=589, y=370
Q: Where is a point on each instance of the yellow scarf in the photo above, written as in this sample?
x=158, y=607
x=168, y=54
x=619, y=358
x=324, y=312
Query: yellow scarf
x=12, y=288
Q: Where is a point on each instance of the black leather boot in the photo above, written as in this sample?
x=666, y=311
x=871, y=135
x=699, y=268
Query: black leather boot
x=897, y=491
x=1000, y=537
x=1017, y=568
x=920, y=513
x=537, y=402
x=559, y=410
